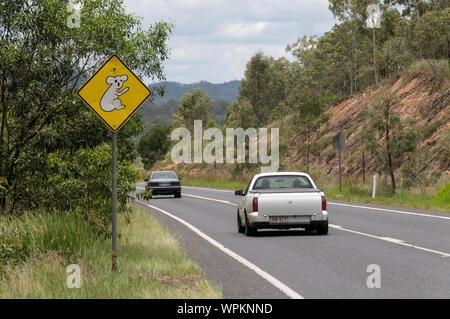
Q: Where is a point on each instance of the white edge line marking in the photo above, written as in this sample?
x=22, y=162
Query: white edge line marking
x=391, y=240
x=390, y=210
x=275, y=282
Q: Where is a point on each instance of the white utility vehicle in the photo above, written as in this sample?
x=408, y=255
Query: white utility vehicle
x=282, y=201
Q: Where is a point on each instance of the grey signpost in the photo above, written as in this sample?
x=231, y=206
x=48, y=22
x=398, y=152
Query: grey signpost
x=114, y=201
x=339, y=144
x=96, y=93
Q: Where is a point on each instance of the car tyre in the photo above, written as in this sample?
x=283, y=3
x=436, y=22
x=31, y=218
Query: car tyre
x=309, y=229
x=240, y=228
x=322, y=229
x=178, y=195
x=249, y=230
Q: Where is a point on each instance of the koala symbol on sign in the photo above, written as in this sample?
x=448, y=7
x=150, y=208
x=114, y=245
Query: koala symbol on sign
x=110, y=100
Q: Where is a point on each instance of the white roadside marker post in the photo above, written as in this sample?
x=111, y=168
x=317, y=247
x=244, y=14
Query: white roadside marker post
x=374, y=187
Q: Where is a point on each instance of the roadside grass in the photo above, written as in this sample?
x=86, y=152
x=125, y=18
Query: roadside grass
x=151, y=263
x=350, y=193
x=401, y=198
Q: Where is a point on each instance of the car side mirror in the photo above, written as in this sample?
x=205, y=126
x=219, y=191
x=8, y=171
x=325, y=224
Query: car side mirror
x=146, y=180
x=239, y=193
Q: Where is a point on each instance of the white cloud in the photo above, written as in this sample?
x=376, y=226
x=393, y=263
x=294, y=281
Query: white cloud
x=213, y=40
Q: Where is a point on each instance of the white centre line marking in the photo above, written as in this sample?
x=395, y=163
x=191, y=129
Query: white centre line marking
x=391, y=240
x=212, y=199
x=387, y=239
x=275, y=282
x=210, y=189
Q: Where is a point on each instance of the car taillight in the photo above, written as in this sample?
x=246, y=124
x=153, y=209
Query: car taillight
x=154, y=184
x=324, y=203
x=255, y=204
x=175, y=183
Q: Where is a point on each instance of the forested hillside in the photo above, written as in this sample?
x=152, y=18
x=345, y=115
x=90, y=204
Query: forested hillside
x=386, y=85
x=160, y=109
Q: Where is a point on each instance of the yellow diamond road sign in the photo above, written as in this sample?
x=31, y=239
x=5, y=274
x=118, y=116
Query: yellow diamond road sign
x=114, y=93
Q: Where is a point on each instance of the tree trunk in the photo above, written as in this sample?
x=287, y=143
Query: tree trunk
x=391, y=172
x=375, y=64
x=389, y=152
x=364, y=166
x=307, y=151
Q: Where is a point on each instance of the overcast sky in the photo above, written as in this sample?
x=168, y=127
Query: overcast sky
x=214, y=39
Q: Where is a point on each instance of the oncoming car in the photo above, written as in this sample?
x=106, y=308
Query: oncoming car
x=164, y=183
x=283, y=201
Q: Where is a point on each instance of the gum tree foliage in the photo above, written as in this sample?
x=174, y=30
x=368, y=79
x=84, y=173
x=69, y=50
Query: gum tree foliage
x=154, y=145
x=195, y=105
x=389, y=140
x=42, y=64
x=307, y=118
x=240, y=115
x=431, y=38
x=263, y=85
x=356, y=11
x=81, y=184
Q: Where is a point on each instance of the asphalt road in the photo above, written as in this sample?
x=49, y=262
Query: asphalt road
x=411, y=248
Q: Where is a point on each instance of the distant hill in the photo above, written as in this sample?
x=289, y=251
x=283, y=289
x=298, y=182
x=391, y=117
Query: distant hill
x=159, y=110
x=227, y=91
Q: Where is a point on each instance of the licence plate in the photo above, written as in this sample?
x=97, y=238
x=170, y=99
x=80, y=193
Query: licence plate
x=278, y=219
x=164, y=184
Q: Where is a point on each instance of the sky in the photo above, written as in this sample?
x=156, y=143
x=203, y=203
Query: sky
x=213, y=40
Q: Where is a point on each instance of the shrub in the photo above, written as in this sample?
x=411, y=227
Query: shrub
x=443, y=195
x=82, y=184
x=147, y=195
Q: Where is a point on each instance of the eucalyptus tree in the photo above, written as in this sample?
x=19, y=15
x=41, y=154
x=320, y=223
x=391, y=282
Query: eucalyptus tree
x=44, y=58
x=389, y=139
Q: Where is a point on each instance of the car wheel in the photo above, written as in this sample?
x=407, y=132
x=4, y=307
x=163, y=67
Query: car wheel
x=249, y=230
x=322, y=229
x=178, y=195
x=240, y=228
x=309, y=229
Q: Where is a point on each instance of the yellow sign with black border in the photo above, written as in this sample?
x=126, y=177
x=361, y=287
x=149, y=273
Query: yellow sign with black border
x=114, y=93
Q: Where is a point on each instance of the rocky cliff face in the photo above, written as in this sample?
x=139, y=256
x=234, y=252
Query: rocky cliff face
x=421, y=97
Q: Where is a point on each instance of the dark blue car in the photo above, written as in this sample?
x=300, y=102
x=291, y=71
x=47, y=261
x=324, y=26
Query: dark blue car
x=164, y=183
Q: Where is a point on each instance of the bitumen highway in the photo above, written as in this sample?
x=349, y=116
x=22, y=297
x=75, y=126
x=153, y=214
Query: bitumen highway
x=370, y=251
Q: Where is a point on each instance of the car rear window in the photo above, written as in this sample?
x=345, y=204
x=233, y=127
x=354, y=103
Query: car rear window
x=278, y=182
x=162, y=175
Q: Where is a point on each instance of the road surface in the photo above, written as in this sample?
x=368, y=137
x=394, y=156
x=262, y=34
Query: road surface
x=409, y=249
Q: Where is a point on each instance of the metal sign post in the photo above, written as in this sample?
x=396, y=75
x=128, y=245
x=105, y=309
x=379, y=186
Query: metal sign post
x=340, y=174
x=339, y=144
x=114, y=93
x=114, y=201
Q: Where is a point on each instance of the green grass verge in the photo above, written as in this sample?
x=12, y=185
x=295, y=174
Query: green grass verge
x=400, y=199
x=150, y=262
x=352, y=194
